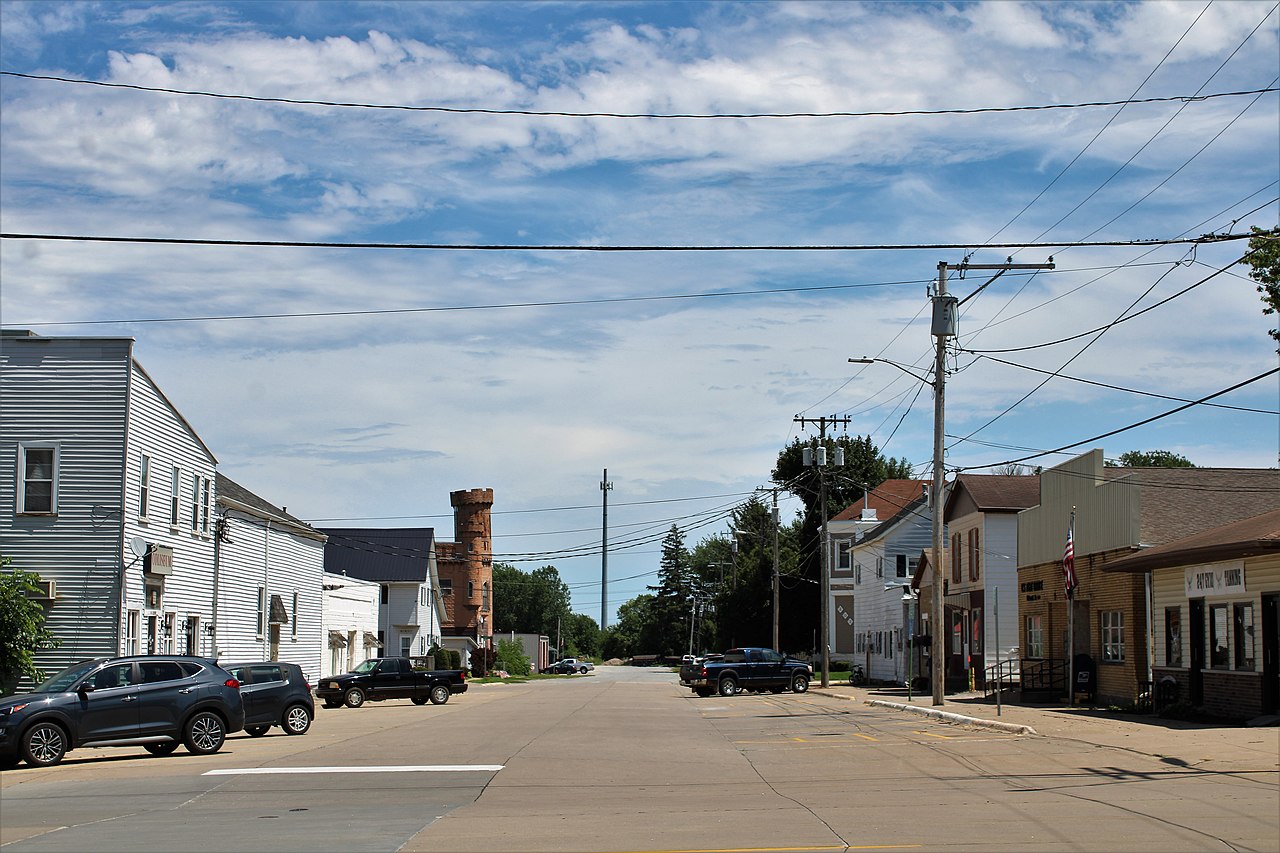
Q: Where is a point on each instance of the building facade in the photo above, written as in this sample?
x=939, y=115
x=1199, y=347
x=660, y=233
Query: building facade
x=466, y=569
x=108, y=495
x=1117, y=513
x=350, y=618
x=1216, y=617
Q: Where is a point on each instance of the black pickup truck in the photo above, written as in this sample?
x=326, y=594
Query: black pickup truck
x=746, y=669
x=390, y=678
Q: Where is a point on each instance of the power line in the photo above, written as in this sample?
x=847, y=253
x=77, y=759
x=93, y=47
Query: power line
x=534, y=247
x=567, y=114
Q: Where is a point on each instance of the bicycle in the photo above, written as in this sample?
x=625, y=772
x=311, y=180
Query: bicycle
x=857, y=677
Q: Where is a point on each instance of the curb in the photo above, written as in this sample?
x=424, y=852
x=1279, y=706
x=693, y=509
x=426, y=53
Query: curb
x=950, y=717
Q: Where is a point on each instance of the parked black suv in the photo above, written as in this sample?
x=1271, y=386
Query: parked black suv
x=275, y=694
x=154, y=700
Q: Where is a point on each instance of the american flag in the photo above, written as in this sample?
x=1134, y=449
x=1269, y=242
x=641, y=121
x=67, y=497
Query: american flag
x=1069, y=563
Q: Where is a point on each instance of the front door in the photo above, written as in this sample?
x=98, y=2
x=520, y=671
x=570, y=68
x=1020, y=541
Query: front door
x=110, y=708
x=1270, y=653
x=1196, y=660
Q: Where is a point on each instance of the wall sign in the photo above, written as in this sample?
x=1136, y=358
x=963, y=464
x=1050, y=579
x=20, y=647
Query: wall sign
x=1217, y=579
x=159, y=560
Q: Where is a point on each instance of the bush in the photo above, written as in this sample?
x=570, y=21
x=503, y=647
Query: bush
x=482, y=660
x=838, y=666
x=512, y=659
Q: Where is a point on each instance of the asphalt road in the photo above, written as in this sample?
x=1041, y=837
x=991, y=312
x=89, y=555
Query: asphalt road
x=625, y=760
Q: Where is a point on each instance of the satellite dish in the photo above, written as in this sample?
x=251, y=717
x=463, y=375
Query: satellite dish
x=138, y=546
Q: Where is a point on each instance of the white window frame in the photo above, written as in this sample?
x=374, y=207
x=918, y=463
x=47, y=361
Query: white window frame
x=844, y=555
x=22, y=479
x=1035, y=636
x=144, y=485
x=175, y=497
x=422, y=595
x=406, y=645
x=195, y=502
x=262, y=612
x=191, y=635
x=133, y=632
x=206, y=495
x=1112, y=626
x=168, y=627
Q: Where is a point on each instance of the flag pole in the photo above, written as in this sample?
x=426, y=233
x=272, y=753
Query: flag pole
x=1069, y=567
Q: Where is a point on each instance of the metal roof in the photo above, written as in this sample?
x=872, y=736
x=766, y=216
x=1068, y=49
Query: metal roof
x=379, y=554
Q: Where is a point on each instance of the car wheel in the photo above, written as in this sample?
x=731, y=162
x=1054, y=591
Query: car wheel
x=165, y=748
x=205, y=733
x=439, y=694
x=44, y=744
x=728, y=686
x=800, y=684
x=354, y=697
x=333, y=703
x=419, y=700
x=297, y=719
x=256, y=731
x=582, y=670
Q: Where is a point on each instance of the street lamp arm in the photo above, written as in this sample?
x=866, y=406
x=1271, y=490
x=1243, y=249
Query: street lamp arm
x=912, y=374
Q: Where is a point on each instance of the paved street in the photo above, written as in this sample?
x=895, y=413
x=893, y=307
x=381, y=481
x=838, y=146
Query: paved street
x=624, y=760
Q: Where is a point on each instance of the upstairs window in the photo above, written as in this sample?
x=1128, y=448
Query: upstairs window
x=974, y=548
x=144, y=485
x=205, y=494
x=446, y=586
x=37, y=478
x=195, y=503
x=844, y=555
x=955, y=558
x=175, y=485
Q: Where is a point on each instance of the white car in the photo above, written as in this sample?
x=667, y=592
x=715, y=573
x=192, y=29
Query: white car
x=569, y=665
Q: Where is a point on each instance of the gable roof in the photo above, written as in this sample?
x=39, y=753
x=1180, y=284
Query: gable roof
x=887, y=499
x=918, y=507
x=997, y=492
x=382, y=554
x=235, y=496
x=1245, y=538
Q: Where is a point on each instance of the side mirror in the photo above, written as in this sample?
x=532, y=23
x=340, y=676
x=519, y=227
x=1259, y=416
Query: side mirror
x=85, y=688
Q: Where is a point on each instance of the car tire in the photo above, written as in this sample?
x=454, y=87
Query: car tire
x=420, y=700
x=439, y=694
x=582, y=669
x=165, y=748
x=354, y=698
x=44, y=744
x=204, y=733
x=297, y=720
x=333, y=703
x=800, y=684
x=728, y=686
x=256, y=731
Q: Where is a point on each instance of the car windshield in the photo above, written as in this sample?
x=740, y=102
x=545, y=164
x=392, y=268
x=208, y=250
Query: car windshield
x=367, y=666
x=62, y=682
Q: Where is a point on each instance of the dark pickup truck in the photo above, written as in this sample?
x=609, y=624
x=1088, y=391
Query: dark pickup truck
x=390, y=678
x=746, y=669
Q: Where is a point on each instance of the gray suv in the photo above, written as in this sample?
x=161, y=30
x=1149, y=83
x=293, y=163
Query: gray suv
x=157, y=701
x=275, y=694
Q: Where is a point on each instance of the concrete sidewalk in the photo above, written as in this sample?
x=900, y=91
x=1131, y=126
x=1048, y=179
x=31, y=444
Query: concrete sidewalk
x=1218, y=747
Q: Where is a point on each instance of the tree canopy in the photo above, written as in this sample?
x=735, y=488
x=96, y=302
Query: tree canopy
x=1154, y=459
x=529, y=602
x=1264, y=260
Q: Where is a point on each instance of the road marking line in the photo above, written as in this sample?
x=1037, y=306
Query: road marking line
x=866, y=737
x=931, y=734
x=410, y=768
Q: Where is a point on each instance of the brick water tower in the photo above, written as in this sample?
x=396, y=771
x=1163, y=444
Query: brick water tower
x=467, y=566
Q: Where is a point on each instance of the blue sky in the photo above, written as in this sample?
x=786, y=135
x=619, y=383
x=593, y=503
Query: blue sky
x=680, y=372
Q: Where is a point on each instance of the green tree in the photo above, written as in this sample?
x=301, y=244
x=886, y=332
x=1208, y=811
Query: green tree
x=1154, y=459
x=22, y=628
x=673, y=597
x=580, y=635
x=512, y=659
x=1263, y=258
x=865, y=467
x=528, y=602
x=632, y=630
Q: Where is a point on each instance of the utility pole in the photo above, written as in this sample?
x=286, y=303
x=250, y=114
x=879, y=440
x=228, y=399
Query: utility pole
x=945, y=309
x=605, y=486
x=776, y=645
x=819, y=461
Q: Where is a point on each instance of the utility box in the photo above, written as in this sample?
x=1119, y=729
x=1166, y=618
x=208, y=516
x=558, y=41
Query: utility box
x=945, y=309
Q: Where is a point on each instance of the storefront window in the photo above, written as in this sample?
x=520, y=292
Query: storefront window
x=1173, y=636
x=1244, y=636
x=1219, y=651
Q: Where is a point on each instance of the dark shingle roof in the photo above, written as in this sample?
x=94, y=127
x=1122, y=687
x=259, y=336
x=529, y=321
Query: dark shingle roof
x=1001, y=492
x=1181, y=502
x=887, y=499
x=378, y=553
x=1246, y=538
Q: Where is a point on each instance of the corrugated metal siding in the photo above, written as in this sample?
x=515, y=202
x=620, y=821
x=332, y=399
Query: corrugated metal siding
x=1108, y=513
x=157, y=430
x=253, y=556
x=72, y=391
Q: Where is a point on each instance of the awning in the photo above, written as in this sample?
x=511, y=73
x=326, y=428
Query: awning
x=337, y=640
x=371, y=641
x=279, y=616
